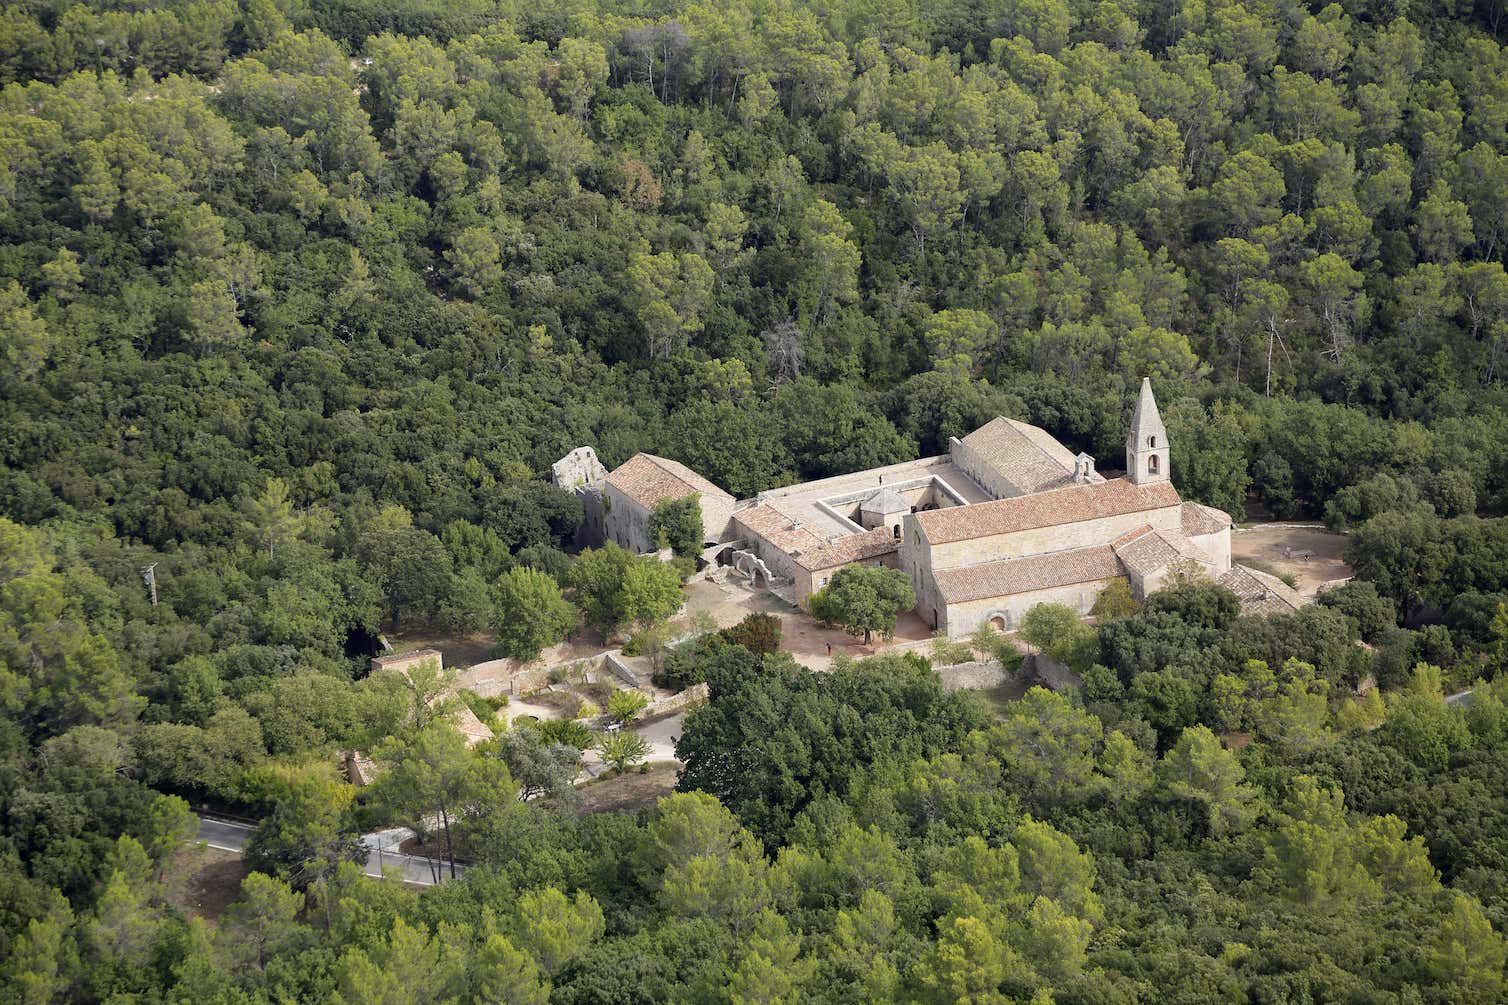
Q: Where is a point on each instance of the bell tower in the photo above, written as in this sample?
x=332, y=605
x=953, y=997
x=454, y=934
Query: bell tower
x=1147, y=442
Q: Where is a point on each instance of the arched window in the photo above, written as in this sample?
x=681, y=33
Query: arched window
x=1152, y=441
x=897, y=530
x=1152, y=464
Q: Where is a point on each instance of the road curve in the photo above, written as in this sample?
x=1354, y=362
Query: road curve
x=383, y=858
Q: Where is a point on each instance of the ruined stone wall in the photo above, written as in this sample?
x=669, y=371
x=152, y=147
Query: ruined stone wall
x=973, y=676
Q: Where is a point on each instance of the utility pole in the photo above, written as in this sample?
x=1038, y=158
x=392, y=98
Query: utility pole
x=149, y=576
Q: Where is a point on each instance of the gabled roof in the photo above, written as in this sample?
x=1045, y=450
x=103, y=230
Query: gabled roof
x=1022, y=575
x=647, y=480
x=846, y=550
x=1076, y=503
x=1150, y=550
x=1029, y=456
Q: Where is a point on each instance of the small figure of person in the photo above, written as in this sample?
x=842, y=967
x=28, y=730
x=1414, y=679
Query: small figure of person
x=829, y=649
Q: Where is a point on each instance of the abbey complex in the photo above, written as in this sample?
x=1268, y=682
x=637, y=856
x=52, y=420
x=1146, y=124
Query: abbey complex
x=1007, y=519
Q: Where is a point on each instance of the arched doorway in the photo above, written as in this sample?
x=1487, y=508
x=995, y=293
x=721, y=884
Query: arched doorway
x=998, y=623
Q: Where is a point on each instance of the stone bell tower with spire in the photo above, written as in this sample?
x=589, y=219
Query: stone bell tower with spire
x=1147, y=442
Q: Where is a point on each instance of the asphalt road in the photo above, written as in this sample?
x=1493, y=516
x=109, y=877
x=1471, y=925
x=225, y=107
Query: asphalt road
x=382, y=857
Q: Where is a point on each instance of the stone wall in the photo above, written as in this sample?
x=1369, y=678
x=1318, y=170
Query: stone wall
x=625, y=522
x=1217, y=547
x=973, y=676
x=960, y=620
x=693, y=695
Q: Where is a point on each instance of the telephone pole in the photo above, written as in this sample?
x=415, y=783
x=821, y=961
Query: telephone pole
x=149, y=576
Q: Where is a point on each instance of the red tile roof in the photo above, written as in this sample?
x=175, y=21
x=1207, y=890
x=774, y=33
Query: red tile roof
x=1200, y=519
x=1261, y=593
x=846, y=550
x=647, y=480
x=777, y=528
x=1023, y=575
x=1073, y=504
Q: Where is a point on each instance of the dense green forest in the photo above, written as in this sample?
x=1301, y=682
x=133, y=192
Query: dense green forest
x=300, y=298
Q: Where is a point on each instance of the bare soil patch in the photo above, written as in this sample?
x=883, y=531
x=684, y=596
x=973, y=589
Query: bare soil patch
x=1308, y=552
x=457, y=650
x=631, y=791
x=202, y=882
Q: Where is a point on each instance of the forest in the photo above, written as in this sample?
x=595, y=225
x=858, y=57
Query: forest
x=299, y=300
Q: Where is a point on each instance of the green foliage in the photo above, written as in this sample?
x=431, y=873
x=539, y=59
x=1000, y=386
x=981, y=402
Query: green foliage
x=299, y=303
x=677, y=524
x=625, y=706
x=864, y=598
x=530, y=613
x=616, y=588
x=623, y=749
x=757, y=632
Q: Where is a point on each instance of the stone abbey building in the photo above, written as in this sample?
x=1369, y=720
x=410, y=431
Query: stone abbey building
x=1009, y=518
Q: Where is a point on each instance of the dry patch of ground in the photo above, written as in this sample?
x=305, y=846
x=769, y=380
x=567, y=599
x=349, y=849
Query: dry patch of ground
x=1307, y=552
x=202, y=882
x=631, y=791
x=458, y=650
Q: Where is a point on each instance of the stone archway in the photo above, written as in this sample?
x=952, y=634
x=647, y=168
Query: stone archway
x=748, y=564
x=998, y=620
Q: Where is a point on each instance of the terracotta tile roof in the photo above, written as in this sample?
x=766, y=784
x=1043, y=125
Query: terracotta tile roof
x=1150, y=551
x=846, y=550
x=777, y=528
x=1027, y=455
x=1131, y=535
x=647, y=479
x=1201, y=519
x=1022, y=575
x=1073, y=504
x=1260, y=593
x=469, y=726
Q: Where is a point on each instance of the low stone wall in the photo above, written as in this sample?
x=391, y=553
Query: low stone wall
x=977, y=675
x=693, y=695
x=614, y=663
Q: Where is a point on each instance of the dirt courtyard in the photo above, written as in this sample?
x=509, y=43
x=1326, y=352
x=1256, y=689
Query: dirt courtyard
x=730, y=602
x=1307, y=551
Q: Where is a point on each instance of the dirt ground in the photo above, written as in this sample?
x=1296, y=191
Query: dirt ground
x=202, y=882
x=458, y=650
x=1312, y=555
x=729, y=603
x=632, y=791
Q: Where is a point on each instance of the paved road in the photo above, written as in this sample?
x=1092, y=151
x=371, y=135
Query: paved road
x=382, y=854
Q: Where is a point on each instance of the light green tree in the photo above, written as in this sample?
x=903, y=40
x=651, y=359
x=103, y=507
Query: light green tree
x=505, y=973
x=625, y=705
x=1200, y=770
x=622, y=749
x=772, y=971
x=553, y=928
x=530, y=612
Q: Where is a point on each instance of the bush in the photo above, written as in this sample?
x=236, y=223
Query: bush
x=945, y=653
x=757, y=632
x=567, y=731
x=625, y=706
